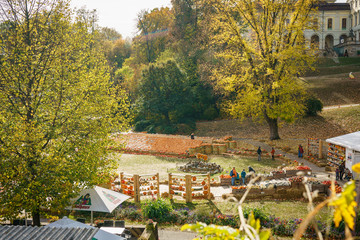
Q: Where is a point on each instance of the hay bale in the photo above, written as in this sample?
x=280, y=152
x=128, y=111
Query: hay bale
x=192, y=151
x=200, y=149
x=232, y=144
x=208, y=149
x=222, y=148
x=215, y=148
x=320, y=187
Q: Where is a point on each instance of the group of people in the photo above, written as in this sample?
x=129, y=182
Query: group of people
x=236, y=176
x=343, y=173
x=259, y=152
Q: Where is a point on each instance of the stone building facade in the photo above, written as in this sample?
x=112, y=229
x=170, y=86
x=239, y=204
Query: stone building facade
x=337, y=28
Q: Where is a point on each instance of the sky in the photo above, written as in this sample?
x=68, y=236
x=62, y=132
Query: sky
x=120, y=14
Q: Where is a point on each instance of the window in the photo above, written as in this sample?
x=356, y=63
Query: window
x=343, y=24
x=329, y=23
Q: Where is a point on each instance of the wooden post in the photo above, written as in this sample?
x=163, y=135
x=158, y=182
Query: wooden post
x=320, y=149
x=307, y=146
x=121, y=180
x=208, y=183
x=136, y=189
x=158, y=185
x=170, y=183
x=188, y=189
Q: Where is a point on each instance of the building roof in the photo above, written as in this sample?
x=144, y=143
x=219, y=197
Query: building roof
x=333, y=6
x=351, y=141
x=46, y=233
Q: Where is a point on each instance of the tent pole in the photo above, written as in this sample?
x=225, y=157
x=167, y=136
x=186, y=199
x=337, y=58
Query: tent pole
x=92, y=218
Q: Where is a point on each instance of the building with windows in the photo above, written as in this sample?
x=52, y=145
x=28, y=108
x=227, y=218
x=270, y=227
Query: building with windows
x=337, y=28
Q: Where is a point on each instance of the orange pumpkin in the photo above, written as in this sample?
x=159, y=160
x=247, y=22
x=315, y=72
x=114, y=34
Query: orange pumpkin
x=155, y=192
x=172, y=192
x=205, y=192
x=203, y=183
x=205, y=187
x=194, y=178
x=151, y=187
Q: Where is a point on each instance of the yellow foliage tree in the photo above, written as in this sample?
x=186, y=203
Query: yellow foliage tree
x=262, y=51
x=58, y=107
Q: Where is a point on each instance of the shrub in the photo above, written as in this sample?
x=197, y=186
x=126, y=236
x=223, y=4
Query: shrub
x=313, y=106
x=210, y=113
x=142, y=125
x=151, y=128
x=158, y=210
x=259, y=213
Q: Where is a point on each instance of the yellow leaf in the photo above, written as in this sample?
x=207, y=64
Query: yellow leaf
x=356, y=168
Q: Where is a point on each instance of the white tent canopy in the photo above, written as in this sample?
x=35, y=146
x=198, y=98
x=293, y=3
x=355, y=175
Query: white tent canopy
x=350, y=141
x=97, y=199
x=68, y=223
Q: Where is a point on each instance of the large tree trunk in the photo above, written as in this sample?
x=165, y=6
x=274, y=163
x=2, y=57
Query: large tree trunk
x=273, y=126
x=36, y=217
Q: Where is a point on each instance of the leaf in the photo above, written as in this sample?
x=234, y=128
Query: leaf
x=356, y=168
x=344, y=205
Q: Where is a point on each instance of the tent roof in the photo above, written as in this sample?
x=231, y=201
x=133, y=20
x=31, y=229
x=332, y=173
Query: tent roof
x=97, y=199
x=68, y=223
x=38, y=233
x=351, y=141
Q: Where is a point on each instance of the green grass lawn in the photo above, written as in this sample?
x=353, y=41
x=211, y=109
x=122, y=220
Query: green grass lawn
x=147, y=164
x=283, y=209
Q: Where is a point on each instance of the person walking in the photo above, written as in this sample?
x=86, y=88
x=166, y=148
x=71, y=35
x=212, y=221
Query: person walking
x=301, y=151
x=259, y=153
x=233, y=175
x=272, y=153
x=337, y=172
x=243, y=175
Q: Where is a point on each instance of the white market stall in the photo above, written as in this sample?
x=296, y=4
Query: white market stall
x=344, y=148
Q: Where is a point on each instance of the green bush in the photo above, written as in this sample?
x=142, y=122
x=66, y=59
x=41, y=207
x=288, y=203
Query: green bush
x=313, y=106
x=151, y=129
x=259, y=213
x=210, y=113
x=142, y=125
x=158, y=210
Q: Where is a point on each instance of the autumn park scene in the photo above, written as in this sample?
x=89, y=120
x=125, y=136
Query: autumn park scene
x=212, y=119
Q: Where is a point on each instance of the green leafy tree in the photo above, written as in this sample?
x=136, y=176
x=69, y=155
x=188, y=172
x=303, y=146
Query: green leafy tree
x=153, y=35
x=190, y=44
x=57, y=107
x=166, y=96
x=262, y=50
